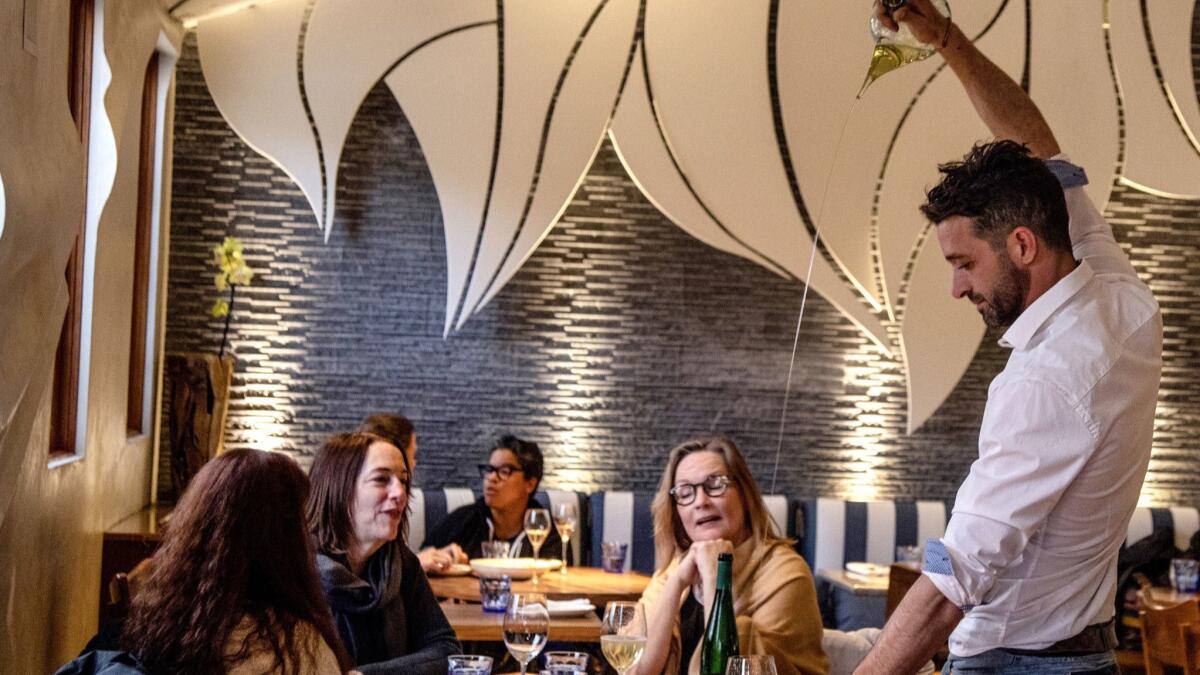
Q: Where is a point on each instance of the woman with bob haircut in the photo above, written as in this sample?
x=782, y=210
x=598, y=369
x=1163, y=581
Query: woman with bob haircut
x=708, y=503
x=382, y=604
x=234, y=586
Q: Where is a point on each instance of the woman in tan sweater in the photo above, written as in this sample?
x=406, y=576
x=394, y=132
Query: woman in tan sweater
x=708, y=503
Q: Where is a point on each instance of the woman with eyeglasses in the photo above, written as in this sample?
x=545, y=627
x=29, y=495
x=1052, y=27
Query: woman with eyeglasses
x=384, y=609
x=510, y=478
x=708, y=503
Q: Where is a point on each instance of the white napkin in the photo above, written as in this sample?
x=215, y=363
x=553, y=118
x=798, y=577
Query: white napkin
x=575, y=605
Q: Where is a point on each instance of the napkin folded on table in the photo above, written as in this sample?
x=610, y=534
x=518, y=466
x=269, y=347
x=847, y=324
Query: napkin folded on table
x=578, y=604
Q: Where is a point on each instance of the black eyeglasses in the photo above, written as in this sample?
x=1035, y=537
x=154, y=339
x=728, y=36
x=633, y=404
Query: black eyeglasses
x=504, y=471
x=714, y=486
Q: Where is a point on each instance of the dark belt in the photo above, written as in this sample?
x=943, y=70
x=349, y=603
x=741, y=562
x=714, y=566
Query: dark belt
x=1095, y=639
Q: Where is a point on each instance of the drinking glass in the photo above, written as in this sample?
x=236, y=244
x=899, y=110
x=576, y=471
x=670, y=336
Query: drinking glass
x=566, y=517
x=612, y=556
x=526, y=626
x=537, y=528
x=566, y=663
x=623, y=635
x=494, y=549
x=757, y=664
x=1185, y=575
x=469, y=664
x=908, y=554
x=494, y=593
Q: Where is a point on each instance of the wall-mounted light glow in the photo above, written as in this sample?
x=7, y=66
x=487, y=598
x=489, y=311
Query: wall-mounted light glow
x=192, y=21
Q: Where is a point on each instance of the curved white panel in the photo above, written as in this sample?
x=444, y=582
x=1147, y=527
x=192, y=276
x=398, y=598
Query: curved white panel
x=349, y=47
x=648, y=163
x=443, y=105
x=581, y=114
x=849, y=171
x=939, y=335
x=636, y=141
x=538, y=41
x=2, y=210
x=1159, y=157
x=925, y=139
x=1072, y=85
x=249, y=62
x=1171, y=31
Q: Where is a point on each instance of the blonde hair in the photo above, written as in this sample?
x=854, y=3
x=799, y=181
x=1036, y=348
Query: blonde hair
x=670, y=537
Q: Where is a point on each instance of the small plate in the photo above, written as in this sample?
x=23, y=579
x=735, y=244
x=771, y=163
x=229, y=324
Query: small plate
x=455, y=570
x=514, y=568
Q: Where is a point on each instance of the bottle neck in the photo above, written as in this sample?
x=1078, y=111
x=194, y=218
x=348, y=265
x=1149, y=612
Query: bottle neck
x=724, y=574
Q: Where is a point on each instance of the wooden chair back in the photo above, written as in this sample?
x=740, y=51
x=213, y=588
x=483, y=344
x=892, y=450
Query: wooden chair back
x=1190, y=636
x=900, y=579
x=1161, y=643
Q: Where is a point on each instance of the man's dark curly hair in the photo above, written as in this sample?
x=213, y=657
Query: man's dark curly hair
x=529, y=455
x=1000, y=187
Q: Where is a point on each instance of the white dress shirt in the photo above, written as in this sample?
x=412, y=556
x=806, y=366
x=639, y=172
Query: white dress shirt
x=1030, y=552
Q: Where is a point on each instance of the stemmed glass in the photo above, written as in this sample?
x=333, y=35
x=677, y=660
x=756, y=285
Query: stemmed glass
x=537, y=528
x=526, y=626
x=623, y=635
x=758, y=664
x=565, y=519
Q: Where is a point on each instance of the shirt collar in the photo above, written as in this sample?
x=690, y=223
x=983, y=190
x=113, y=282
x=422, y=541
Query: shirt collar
x=1035, y=315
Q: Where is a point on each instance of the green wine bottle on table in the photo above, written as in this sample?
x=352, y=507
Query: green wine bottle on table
x=720, y=636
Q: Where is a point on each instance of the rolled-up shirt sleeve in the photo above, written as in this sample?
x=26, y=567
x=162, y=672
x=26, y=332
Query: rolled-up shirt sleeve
x=1033, y=443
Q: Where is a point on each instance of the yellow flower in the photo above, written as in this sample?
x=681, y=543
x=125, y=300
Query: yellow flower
x=220, y=308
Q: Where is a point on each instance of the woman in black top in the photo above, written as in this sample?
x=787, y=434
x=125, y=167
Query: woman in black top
x=510, y=479
x=386, y=613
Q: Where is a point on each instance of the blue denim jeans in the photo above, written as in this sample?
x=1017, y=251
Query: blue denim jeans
x=1000, y=662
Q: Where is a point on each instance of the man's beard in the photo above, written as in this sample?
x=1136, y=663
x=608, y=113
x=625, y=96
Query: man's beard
x=1003, y=308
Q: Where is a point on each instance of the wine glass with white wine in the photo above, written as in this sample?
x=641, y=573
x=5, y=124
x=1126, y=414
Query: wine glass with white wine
x=526, y=626
x=623, y=635
x=756, y=664
x=537, y=528
x=566, y=518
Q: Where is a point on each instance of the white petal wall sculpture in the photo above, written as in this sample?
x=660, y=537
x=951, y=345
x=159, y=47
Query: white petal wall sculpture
x=250, y=64
x=1071, y=83
x=707, y=107
x=563, y=68
x=449, y=109
x=351, y=45
x=1161, y=151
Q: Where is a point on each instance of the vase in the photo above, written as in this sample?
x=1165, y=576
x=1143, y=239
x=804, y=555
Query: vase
x=198, y=389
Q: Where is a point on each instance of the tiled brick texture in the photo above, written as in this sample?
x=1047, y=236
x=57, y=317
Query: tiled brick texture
x=620, y=337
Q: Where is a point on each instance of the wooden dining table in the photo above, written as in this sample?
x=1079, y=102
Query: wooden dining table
x=593, y=583
x=471, y=623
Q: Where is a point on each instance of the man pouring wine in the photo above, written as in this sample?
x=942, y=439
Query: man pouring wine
x=1024, y=578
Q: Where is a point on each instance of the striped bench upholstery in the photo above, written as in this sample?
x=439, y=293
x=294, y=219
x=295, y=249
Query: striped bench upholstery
x=625, y=517
x=837, y=532
x=1182, y=520
x=427, y=508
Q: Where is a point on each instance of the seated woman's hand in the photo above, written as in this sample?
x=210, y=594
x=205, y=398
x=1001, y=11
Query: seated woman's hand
x=435, y=559
x=705, y=559
x=457, y=555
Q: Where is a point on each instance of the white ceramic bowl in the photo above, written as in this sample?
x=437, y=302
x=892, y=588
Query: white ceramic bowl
x=515, y=568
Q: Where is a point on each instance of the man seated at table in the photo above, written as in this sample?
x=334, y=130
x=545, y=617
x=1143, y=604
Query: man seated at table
x=510, y=479
x=399, y=431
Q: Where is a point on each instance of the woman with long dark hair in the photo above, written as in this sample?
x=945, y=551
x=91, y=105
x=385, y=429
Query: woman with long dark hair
x=384, y=609
x=234, y=587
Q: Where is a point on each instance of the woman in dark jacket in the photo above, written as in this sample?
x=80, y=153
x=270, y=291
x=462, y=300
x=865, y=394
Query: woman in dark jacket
x=510, y=478
x=386, y=613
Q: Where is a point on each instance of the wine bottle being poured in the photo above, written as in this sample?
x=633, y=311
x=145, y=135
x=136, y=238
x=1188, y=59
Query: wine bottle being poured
x=896, y=48
x=720, y=636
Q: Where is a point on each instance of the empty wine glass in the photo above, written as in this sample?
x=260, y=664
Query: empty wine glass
x=756, y=664
x=526, y=626
x=566, y=517
x=623, y=635
x=537, y=528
